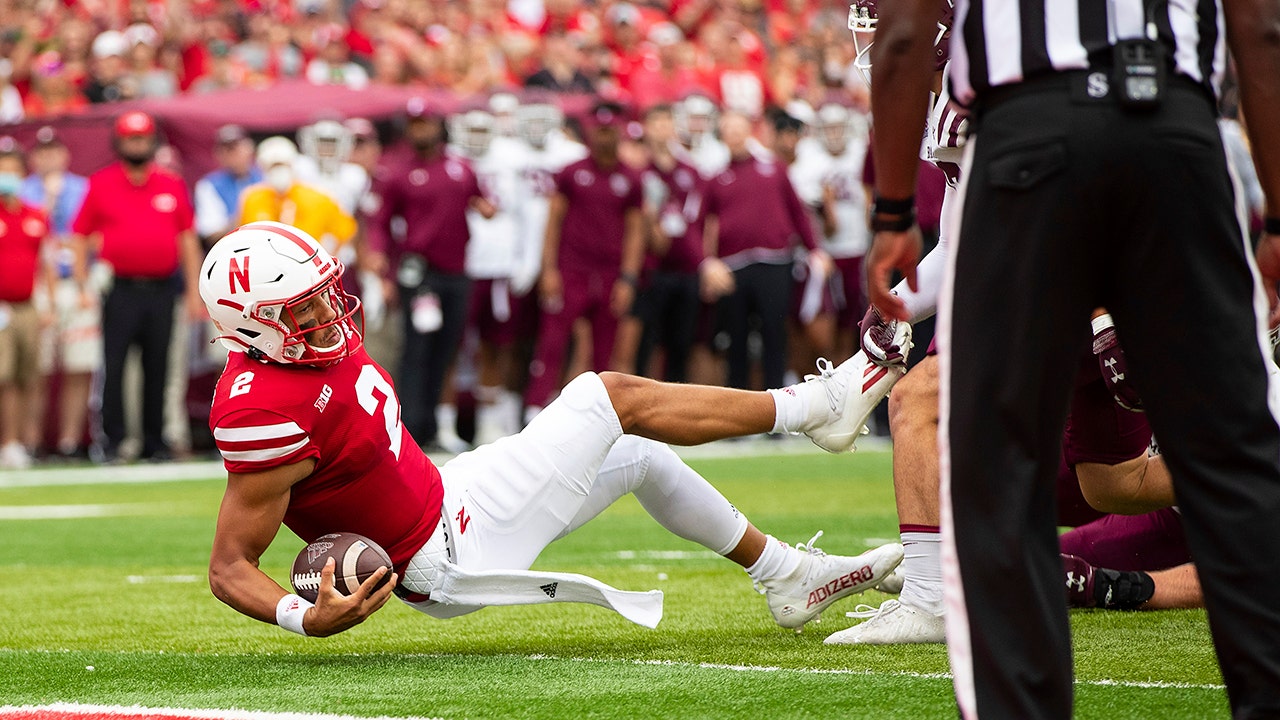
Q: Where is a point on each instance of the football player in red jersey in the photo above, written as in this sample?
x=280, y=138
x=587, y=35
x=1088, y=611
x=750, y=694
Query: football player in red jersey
x=309, y=430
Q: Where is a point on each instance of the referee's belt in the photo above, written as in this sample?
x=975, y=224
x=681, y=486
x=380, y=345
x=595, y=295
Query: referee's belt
x=1095, y=85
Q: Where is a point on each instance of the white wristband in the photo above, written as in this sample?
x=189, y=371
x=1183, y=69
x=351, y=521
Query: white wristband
x=1102, y=322
x=290, y=611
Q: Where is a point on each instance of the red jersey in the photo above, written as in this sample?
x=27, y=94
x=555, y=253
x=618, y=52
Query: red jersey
x=370, y=476
x=140, y=224
x=22, y=230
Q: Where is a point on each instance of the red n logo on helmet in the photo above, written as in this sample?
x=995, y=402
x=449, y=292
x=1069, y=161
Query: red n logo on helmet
x=238, y=275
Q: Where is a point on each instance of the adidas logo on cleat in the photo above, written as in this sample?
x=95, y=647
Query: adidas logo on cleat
x=549, y=589
x=857, y=577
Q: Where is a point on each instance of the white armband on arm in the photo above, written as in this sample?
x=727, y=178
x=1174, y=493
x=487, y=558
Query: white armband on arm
x=290, y=611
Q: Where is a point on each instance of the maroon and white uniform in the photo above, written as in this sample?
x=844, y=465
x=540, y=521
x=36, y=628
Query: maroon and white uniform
x=944, y=147
x=370, y=477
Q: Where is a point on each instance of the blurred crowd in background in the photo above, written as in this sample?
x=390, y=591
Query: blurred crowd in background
x=674, y=188
x=60, y=56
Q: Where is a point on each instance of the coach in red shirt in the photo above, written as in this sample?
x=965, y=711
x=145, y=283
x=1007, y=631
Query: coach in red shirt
x=139, y=218
x=430, y=191
x=591, y=256
x=22, y=230
x=752, y=222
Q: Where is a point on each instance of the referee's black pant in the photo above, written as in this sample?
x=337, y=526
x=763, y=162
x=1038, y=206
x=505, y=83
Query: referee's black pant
x=1071, y=204
x=136, y=312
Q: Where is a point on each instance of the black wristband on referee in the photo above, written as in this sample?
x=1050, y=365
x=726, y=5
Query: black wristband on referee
x=629, y=278
x=893, y=223
x=1271, y=225
x=885, y=206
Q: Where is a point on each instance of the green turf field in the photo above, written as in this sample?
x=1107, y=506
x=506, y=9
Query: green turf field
x=123, y=592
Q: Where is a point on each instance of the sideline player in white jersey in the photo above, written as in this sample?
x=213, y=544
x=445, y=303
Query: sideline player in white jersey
x=842, y=138
x=325, y=147
x=309, y=430
x=541, y=125
x=696, y=118
x=916, y=616
x=494, y=255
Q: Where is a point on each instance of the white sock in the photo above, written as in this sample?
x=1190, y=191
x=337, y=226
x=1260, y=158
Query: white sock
x=447, y=419
x=790, y=408
x=777, y=560
x=922, y=571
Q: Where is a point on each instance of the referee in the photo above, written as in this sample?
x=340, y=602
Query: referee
x=1095, y=176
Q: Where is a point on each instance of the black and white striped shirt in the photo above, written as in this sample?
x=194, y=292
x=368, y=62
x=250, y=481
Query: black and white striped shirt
x=1000, y=42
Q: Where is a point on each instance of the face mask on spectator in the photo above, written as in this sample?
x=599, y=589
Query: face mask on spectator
x=10, y=183
x=141, y=158
x=280, y=178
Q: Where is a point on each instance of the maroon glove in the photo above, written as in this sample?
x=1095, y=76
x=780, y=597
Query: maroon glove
x=1111, y=362
x=882, y=339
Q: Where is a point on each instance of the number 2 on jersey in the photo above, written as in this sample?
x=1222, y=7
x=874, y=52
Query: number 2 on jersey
x=370, y=379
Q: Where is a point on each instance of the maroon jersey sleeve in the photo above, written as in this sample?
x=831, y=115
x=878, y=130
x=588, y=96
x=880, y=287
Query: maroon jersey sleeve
x=253, y=440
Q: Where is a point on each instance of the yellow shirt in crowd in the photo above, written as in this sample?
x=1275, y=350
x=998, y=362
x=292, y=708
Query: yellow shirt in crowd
x=303, y=207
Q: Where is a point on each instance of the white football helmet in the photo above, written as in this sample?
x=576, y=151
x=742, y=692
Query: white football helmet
x=695, y=118
x=862, y=22
x=256, y=277
x=537, y=120
x=328, y=142
x=863, y=15
x=504, y=107
x=473, y=132
x=835, y=127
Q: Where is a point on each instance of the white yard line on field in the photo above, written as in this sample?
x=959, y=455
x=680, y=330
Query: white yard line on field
x=1144, y=684
x=68, y=512
x=213, y=470
x=97, y=712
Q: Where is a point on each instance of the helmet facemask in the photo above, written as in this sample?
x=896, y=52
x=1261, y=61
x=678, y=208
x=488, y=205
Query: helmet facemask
x=862, y=22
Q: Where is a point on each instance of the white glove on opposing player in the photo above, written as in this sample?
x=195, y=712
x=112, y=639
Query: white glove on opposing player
x=886, y=342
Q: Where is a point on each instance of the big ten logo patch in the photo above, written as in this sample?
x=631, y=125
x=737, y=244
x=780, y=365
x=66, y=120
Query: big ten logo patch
x=322, y=402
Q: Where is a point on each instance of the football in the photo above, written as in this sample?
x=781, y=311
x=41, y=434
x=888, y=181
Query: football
x=356, y=557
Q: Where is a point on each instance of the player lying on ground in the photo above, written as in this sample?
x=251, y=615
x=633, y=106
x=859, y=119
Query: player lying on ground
x=309, y=429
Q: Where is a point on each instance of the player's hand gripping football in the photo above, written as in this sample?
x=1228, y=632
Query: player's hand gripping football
x=335, y=612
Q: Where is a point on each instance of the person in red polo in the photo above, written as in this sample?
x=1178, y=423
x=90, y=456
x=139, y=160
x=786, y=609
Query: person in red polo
x=22, y=230
x=591, y=256
x=139, y=218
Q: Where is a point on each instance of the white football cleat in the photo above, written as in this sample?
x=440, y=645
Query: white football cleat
x=821, y=579
x=893, y=623
x=841, y=398
x=892, y=585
